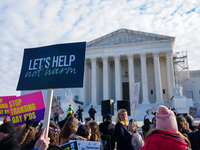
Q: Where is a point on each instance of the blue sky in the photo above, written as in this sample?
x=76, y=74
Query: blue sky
x=25, y=24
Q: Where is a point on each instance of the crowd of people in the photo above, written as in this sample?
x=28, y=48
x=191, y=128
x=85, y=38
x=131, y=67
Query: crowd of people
x=165, y=131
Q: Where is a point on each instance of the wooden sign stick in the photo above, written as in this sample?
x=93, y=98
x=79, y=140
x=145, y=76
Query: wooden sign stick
x=48, y=111
x=133, y=116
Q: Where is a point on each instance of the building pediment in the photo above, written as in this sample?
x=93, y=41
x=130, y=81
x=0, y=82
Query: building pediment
x=125, y=36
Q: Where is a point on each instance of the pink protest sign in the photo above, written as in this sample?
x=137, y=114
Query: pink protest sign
x=135, y=95
x=30, y=105
x=4, y=111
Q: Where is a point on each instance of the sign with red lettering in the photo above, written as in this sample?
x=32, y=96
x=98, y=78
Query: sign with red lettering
x=30, y=105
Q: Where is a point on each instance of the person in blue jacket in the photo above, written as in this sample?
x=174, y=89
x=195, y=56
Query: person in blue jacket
x=123, y=136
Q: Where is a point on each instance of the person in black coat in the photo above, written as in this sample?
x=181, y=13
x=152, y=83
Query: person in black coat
x=79, y=112
x=92, y=112
x=8, y=139
x=108, y=128
x=194, y=138
x=123, y=136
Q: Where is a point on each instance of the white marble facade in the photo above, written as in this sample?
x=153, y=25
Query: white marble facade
x=144, y=57
x=124, y=57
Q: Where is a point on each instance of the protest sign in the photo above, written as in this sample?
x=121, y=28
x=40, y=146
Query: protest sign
x=87, y=145
x=135, y=98
x=70, y=146
x=55, y=66
x=4, y=111
x=193, y=111
x=135, y=95
x=56, y=108
x=30, y=105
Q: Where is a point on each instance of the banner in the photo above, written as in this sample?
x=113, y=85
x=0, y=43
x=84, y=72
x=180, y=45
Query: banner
x=4, y=111
x=56, y=108
x=87, y=145
x=70, y=146
x=55, y=66
x=135, y=95
x=30, y=105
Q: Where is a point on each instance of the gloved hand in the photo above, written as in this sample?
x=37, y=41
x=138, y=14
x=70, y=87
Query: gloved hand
x=28, y=123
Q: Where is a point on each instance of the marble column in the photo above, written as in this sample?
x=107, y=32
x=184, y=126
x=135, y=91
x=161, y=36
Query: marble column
x=118, y=81
x=131, y=75
x=105, y=78
x=83, y=91
x=157, y=78
x=144, y=79
x=94, y=82
x=170, y=74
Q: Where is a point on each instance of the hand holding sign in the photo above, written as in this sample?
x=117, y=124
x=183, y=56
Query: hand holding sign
x=42, y=143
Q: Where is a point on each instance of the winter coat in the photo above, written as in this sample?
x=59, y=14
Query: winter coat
x=9, y=143
x=31, y=145
x=137, y=141
x=194, y=138
x=24, y=135
x=108, y=128
x=123, y=137
x=92, y=112
x=79, y=112
x=158, y=141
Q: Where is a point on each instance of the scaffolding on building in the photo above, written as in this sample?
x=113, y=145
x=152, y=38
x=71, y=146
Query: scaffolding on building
x=181, y=72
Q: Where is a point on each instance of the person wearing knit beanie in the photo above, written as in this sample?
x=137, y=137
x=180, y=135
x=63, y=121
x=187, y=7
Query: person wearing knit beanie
x=7, y=127
x=5, y=120
x=166, y=135
x=8, y=139
x=166, y=120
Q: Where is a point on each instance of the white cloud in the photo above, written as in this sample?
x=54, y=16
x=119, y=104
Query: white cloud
x=25, y=24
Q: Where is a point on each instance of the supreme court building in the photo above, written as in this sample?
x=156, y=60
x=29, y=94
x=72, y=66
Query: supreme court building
x=114, y=62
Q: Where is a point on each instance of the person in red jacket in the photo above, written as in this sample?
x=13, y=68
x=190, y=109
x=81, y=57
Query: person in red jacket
x=166, y=135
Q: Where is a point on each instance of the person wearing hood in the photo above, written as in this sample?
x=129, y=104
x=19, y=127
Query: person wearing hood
x=8, y=139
